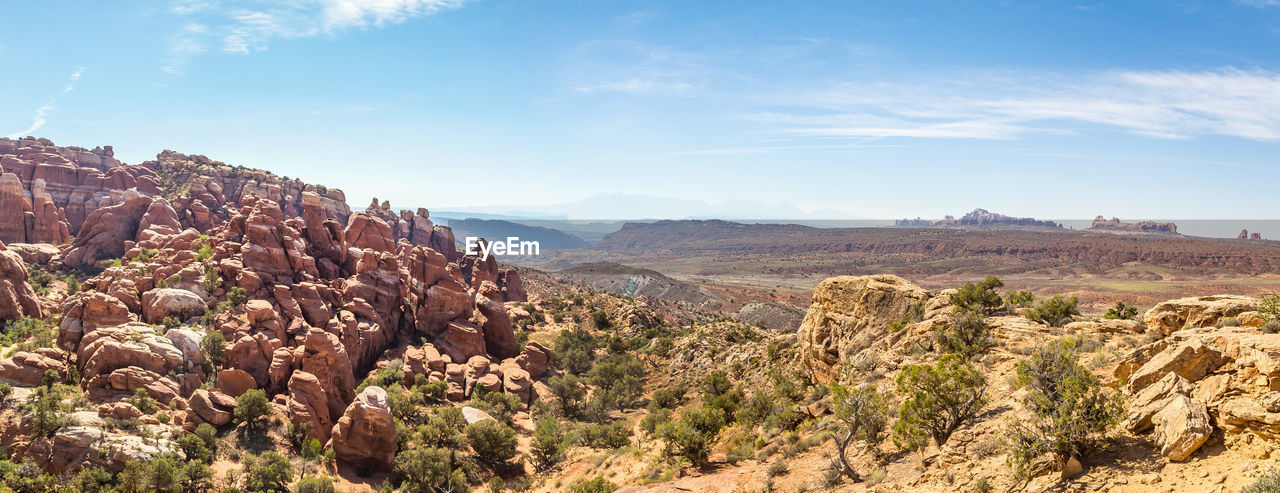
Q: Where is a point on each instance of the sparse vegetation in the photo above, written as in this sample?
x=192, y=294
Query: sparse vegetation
x=1269, y=307
x=547, y=448
x=1055, y=311
x=966, y=334
x=939, y=399
x=864, y=413
x=493, y=442
x=1121, y=312
x=1019, y=299
x=252, y=407
x=980, y=296
x=1072, y=410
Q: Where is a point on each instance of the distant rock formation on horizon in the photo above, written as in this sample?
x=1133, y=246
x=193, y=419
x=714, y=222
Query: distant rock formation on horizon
x=978, y=218
x=1244, y=235
x=1101, y=223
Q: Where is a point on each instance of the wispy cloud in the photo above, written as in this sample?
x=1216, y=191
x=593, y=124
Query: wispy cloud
x=1161, y=104
x=39, y=118
x=71, y=81
x=634, y=68
x=246, y=26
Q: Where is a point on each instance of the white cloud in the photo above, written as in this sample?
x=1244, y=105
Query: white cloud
x=1161, y=104
x=71, y=83
x=246, y=26
x=37, y=121
x=634, y=68
x=39, y=118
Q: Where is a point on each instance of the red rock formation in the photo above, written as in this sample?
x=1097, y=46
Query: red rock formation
x=491, y=315
x=366, y=433
x=309, y=405
x=17, y=299
x=1101, y=223
x=327, y=293
x=23, y=222
x=367, y=231
x=1244, y=235
x=28, y=368
x=106, y=230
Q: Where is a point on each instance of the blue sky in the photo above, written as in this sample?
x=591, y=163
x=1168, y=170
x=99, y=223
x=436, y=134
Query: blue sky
x=849, y=109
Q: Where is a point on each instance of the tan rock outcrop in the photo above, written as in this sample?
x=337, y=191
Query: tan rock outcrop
x=849, y=312
x=1191, y=360
x=1181, y=427
x=1200, y=311
x=1107, y=326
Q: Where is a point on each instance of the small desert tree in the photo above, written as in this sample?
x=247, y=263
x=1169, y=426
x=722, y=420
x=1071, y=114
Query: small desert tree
x=493, y=442
x=1019, y=299
x=939, y=400
x=864, y=414
x=214, y=347
x=1055, y=311
x=1121, y=312
x=1072, y=411
x=979, y=296
x=966, y=334
x=252, y=408
x=547, y=448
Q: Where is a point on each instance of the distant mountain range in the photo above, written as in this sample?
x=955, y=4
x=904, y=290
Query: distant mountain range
x=638, y=206
x=497, y=229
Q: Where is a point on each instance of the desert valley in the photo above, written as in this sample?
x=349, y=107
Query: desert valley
x=183, y=324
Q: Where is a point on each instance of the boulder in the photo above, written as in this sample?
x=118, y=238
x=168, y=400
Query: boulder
x=1199, y=311
x=119, y=410
x=516, y=381
x=35, y=253
x=491, y=316
x=88, y=311
x=1248, y=414
x=211, y=407
x=159, y=219
x=849, y=312
x=366, y=433
x=365, y=231
x=134, y=344
x=461, y=341
x=1191, y=359
x=181, y=304
x=473, y=415
x=1146, y=404
x=234, y=382
x=326, y=358
x=1181, y=427
x=535, y=359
